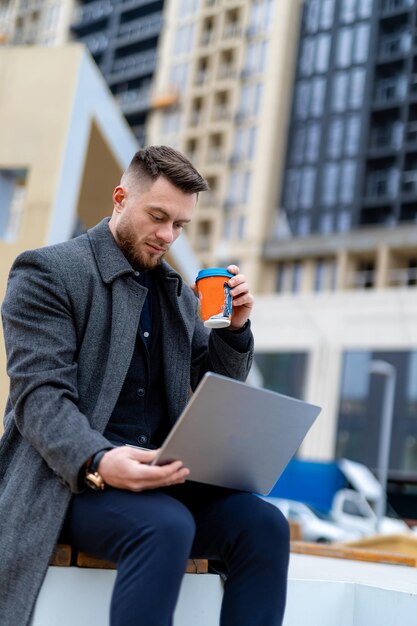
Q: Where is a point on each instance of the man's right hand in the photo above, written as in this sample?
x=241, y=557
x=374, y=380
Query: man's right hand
x=129, y=468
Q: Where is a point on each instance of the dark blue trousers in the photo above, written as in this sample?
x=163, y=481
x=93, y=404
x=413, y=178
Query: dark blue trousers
x=151, y=534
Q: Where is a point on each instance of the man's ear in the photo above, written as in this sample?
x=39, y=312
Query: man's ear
x=119, y=198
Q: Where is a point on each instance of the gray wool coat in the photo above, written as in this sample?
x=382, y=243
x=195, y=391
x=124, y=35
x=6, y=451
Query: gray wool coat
x=70, y=317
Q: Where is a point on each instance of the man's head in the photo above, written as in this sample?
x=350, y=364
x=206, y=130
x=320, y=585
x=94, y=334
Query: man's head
x=152, y=204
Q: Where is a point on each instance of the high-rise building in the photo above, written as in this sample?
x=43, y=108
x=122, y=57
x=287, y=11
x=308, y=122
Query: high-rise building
x=317, y=201
x=40, y=22
x=222, y=94
x=122, y=38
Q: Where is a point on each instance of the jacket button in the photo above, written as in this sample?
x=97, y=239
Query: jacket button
x=141, y=392
x=142, y=439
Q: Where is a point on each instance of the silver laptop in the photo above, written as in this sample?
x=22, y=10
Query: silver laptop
x=234, y=435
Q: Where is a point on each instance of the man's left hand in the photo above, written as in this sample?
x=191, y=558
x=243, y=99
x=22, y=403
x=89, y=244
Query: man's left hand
x=242, y=299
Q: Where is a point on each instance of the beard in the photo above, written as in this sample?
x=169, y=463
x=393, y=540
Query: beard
x=129, y=245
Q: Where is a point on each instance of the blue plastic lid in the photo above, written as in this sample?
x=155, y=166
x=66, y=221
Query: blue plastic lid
x=213, y=271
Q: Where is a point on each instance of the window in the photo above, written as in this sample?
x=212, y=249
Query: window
x=312, y=16
x=318, y=91
x=411, y=391
x=322, y=53
x=297, y=273
x=12, y=197
x=297, y=146
x=179, y=75
x=307, y=186
x=340, y=91
x=326, y=223
x=365, y=9
x=347, y=13
x=360, y=49
x=312, y=142
x=184, y=39
x=330, y=184
x=335, y=138
x=302, y=99
x=344, y=47
x=347, y=181
x=307, y=56
x=327, y=11
x=353, y=134
x=356, y=378
x=356, y=88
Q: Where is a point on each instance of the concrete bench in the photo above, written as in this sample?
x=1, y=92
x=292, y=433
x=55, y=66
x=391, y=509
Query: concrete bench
x=77, y=590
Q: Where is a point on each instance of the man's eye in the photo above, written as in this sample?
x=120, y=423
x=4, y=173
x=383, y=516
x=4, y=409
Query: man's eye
x=157, y=218
x=180, y=226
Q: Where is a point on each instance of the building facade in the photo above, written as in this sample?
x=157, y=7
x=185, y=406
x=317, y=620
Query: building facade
x=122, y=38
x=301, y=118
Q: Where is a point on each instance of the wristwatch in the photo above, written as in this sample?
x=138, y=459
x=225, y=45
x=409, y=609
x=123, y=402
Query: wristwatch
x=92, y=478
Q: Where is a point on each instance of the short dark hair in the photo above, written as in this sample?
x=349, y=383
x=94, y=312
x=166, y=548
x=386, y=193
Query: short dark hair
x=154, y=161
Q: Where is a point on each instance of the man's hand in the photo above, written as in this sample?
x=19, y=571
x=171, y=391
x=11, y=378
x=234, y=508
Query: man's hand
x=128, y=468
x=242, y=299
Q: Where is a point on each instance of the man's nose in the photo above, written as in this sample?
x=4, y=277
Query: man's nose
x=165, y=233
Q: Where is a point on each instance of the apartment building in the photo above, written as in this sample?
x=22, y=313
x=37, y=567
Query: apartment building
x=301, y=116
x=37, y=22
x=222, y=94
x=122, y=37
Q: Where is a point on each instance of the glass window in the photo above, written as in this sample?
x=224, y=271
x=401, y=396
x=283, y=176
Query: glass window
x=322, y=53
x=327, y=11
x=347, y=181
x=246, y=187
x=353, y=134
x=188, y=7
x=365, y=9
x=297, y=146
x=303, y=225
x=284, y=372
x=335, y=138
x=340, y=91
x=308, y=181
x=291, y=188
x=302, y=99
x=297, y=274
x=412, y=377
x=360, y=49
x=312, y=146
x=356, y=88
x=326, y=223
x=347, y=11
x=312, y=15
x=330, y=184
x=179, y=75
x=12, y=198
x=344, y=47
x=307, y=56
x=184, y=39
x=356, y=377
x=319, y=275
x=318, y=91
x=344, y=220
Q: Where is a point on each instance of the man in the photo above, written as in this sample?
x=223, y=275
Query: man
x=103, y=343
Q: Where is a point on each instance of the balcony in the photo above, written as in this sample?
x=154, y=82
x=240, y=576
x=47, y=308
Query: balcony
x=222, y=113
x=395, y=6
x=387, y=138
x=232, y=30
x=409, y=181
x=402, y=277
x=139, y=29
x=394, y=45
x=90, y=13
x=383, y=184
x=134, y=100
x=411, y=132
x=227, y=71
x=390, y=90
x=133, y=65
x=95, y=43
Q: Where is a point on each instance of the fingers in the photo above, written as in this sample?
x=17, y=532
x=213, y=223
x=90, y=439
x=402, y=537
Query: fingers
x=239, y=288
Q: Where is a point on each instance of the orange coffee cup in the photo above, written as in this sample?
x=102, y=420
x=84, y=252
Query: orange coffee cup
x=215, y=298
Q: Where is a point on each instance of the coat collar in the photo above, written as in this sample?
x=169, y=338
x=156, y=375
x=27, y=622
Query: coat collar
x=111, y=261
